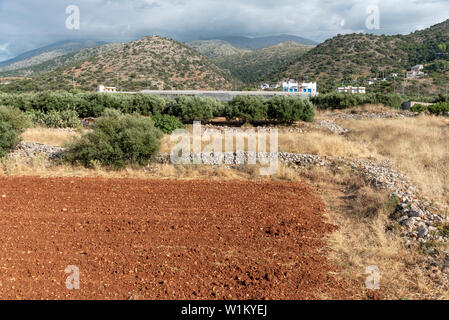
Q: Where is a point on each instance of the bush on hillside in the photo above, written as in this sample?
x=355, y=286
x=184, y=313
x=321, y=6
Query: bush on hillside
x=13, y=123
x=116, y=140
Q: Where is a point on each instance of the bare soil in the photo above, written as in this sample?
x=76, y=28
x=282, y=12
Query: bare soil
x=161, y=239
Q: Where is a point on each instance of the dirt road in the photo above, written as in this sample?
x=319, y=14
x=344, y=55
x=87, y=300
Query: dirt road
x=146, y=239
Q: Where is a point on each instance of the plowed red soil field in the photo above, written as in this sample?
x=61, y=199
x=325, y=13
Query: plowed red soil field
x=147, y=239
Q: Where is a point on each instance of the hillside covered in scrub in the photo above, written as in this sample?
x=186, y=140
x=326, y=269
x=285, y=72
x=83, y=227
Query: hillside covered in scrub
x=215, y=48
x=363, y=55
x=262, y=65
x=41, y=55
x=151, y=62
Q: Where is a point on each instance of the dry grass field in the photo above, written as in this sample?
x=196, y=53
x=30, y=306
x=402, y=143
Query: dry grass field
x=52, y=137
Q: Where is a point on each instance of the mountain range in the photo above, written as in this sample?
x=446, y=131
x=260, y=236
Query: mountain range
x=151, y=62
x=233, y=62
x=263, y=42
x=46, y=53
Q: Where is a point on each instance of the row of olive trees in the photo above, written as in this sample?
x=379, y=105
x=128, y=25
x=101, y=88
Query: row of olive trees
x=336, y=100
x=279, y=108
x=187, y=109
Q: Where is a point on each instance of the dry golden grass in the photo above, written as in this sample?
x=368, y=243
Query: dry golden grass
x=42, y=167
x=367, y=108
x=52, y=137
x=418, y=146
x=367, y=237
x=323, y=144
x=317, y=142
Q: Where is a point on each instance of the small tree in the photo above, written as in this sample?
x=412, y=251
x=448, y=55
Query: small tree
x=116, y=140
x=189, y=109
x=13, y=123
x=289, y=109
x=247, y=108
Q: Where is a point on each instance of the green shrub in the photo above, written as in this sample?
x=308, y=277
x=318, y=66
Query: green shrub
x=247, y=108
x=439, y=109
x=55, y=119
x=189, y=109
x=13, y=123
x=419, y=108
x=166, y=123
x=336, y=100
x=116, y=140
x=390, y=100
x=289, y=109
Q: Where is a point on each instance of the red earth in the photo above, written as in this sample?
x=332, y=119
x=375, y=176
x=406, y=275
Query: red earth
x=163, y=239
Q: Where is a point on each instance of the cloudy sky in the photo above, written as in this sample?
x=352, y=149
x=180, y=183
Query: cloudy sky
x=28, y=24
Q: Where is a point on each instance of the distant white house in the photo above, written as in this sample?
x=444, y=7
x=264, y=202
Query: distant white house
x=264, y=86
x=102, y=88
x=416, y=71
x=309, y=87
x=350, y=89
x=290, y=86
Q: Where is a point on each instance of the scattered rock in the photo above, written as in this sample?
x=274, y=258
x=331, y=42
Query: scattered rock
x=332, y=127
x=32, y=150
x=423, y=232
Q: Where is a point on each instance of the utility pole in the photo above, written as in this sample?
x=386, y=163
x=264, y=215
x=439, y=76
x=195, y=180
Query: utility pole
x=118, y=81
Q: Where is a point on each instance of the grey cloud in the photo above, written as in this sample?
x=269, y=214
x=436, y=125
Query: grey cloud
x=27, y=24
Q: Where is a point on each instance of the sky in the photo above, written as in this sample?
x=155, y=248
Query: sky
x=29, y=24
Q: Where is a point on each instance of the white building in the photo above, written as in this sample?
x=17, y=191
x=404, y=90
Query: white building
x=416, y=71
x=290, y=86
x=102, y=88
x=418, y=67
x=309, y=87
x=355, y=90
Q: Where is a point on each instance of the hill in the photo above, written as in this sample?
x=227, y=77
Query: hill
x=58, y=61
x=352, y=56
x=150, y=62
x=263, y=65
x=215, y=48
x=263, y=42
x=46, y=53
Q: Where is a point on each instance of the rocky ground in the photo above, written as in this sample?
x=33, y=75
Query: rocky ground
x=32, y=150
